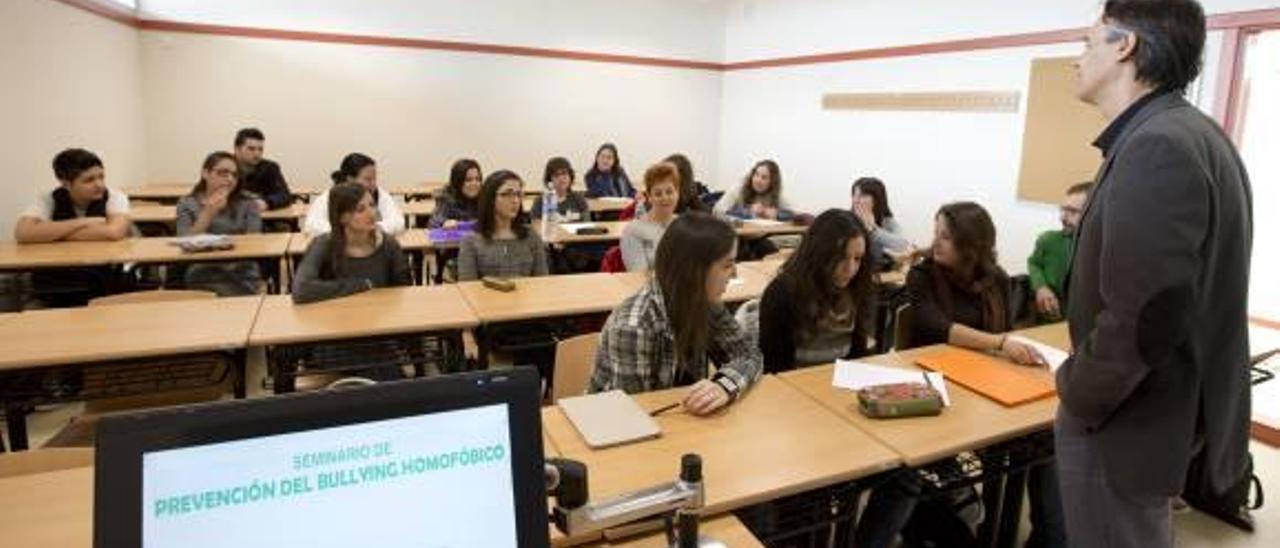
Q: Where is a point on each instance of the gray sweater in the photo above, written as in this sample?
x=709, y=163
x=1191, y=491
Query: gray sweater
x=521, y=258
x=318, y=280
x=224, y=278
x=240, y=218
x=640, y=242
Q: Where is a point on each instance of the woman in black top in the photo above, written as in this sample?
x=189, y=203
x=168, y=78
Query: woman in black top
x=959, y=295
x=817, y=309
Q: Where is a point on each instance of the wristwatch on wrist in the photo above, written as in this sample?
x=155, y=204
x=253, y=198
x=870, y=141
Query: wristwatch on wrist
x=730, y=387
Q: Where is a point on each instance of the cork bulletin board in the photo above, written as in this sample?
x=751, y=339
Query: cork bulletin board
x=1056, y=143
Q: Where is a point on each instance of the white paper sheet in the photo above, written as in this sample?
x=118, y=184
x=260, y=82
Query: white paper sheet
x=573, y=227
x=852, y=375
x=1053, y=356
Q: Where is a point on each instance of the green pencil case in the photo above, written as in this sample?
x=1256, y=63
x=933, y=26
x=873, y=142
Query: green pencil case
x=894, y=401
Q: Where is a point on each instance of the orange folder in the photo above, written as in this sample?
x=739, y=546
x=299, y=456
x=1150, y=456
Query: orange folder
x=1005, y=382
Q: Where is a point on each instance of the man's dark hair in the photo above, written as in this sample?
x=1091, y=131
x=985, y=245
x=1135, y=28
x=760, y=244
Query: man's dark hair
x=1170, y=36
x=1080, y=188
x=70, y=163
x=248, y=133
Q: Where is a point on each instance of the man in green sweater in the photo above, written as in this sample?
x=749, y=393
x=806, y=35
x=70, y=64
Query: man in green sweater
x=1048, y=264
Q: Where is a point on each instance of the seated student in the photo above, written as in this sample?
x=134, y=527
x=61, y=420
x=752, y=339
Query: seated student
x=81, y=208
x=571, y=207
x=606, y=178
x=818, y=308
x=640, y=238
x=357, y=168
x=354, y=257
x=359, y=256
x=692, y=191
x=259, y=176
x=959, y=296
x=667, y=333
x=503, y=245
x=1047, y=266
x=460, y=201
x=759, y=196
x=871, y=205
x=217, y=205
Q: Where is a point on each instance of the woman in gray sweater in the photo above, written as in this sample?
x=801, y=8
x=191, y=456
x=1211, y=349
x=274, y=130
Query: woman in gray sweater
x=640, y=238
x=217, y=206
x=356, y=256
x=502, y=246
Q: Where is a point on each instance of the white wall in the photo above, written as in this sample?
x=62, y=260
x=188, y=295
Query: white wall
x=926, y=159
x=70, y=79
x=685, y=29
x=414, y=111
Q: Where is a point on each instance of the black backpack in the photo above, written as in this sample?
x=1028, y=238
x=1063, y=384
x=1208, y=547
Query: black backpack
x=1235, y=504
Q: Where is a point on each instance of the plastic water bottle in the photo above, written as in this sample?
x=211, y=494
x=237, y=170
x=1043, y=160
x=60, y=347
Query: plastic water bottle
x=549, y=211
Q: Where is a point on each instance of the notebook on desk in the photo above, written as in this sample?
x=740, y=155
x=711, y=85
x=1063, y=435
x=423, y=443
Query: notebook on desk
x=609, y=418
x=1005, y=382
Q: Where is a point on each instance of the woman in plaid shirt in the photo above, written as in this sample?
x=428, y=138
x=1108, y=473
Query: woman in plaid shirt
x=668, y=333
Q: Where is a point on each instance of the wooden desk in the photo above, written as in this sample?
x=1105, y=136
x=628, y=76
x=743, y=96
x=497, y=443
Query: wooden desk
x=386, y=311
x=419, y=210
x=415, y=191
x=749, y=284
x=69, y=335
x=546, y=297
x=15, y=256
x=48, y=510
x=38, y=340
x=971, y=421
x=774, y=442
x=172, y=192
x=168, y=214
x=158, y=191
x=396, y=312
x=564, y=237
x=768, y=267
x=608, y=205
x=759, y=229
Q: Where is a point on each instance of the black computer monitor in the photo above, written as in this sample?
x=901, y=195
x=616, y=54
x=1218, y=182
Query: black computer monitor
x=450, y=461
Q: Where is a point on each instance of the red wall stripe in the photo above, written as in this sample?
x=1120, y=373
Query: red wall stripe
x=104, y=8
x=419, y=43
x=109, y=10
x=971, y=44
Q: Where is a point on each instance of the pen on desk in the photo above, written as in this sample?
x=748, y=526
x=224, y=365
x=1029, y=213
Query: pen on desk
x=663, y=409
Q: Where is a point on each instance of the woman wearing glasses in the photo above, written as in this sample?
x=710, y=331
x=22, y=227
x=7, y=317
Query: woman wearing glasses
x=503, y=245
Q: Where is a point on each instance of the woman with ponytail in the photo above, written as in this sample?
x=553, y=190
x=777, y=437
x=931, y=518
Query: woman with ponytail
x=357, y=256
x=359, y=169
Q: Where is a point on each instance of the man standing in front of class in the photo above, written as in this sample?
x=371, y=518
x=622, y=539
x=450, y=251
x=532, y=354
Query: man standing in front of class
x=1158, y=290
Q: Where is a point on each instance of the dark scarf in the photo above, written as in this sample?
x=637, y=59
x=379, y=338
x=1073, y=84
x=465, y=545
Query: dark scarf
x=986, y=285
x=64, y=209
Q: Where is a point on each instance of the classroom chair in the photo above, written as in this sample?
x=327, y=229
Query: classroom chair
x=80, y=431
x=902, y=327
x=575, y=359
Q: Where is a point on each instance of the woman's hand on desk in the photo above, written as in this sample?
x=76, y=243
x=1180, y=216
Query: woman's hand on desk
x=1021, y=353
x=705, y=397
